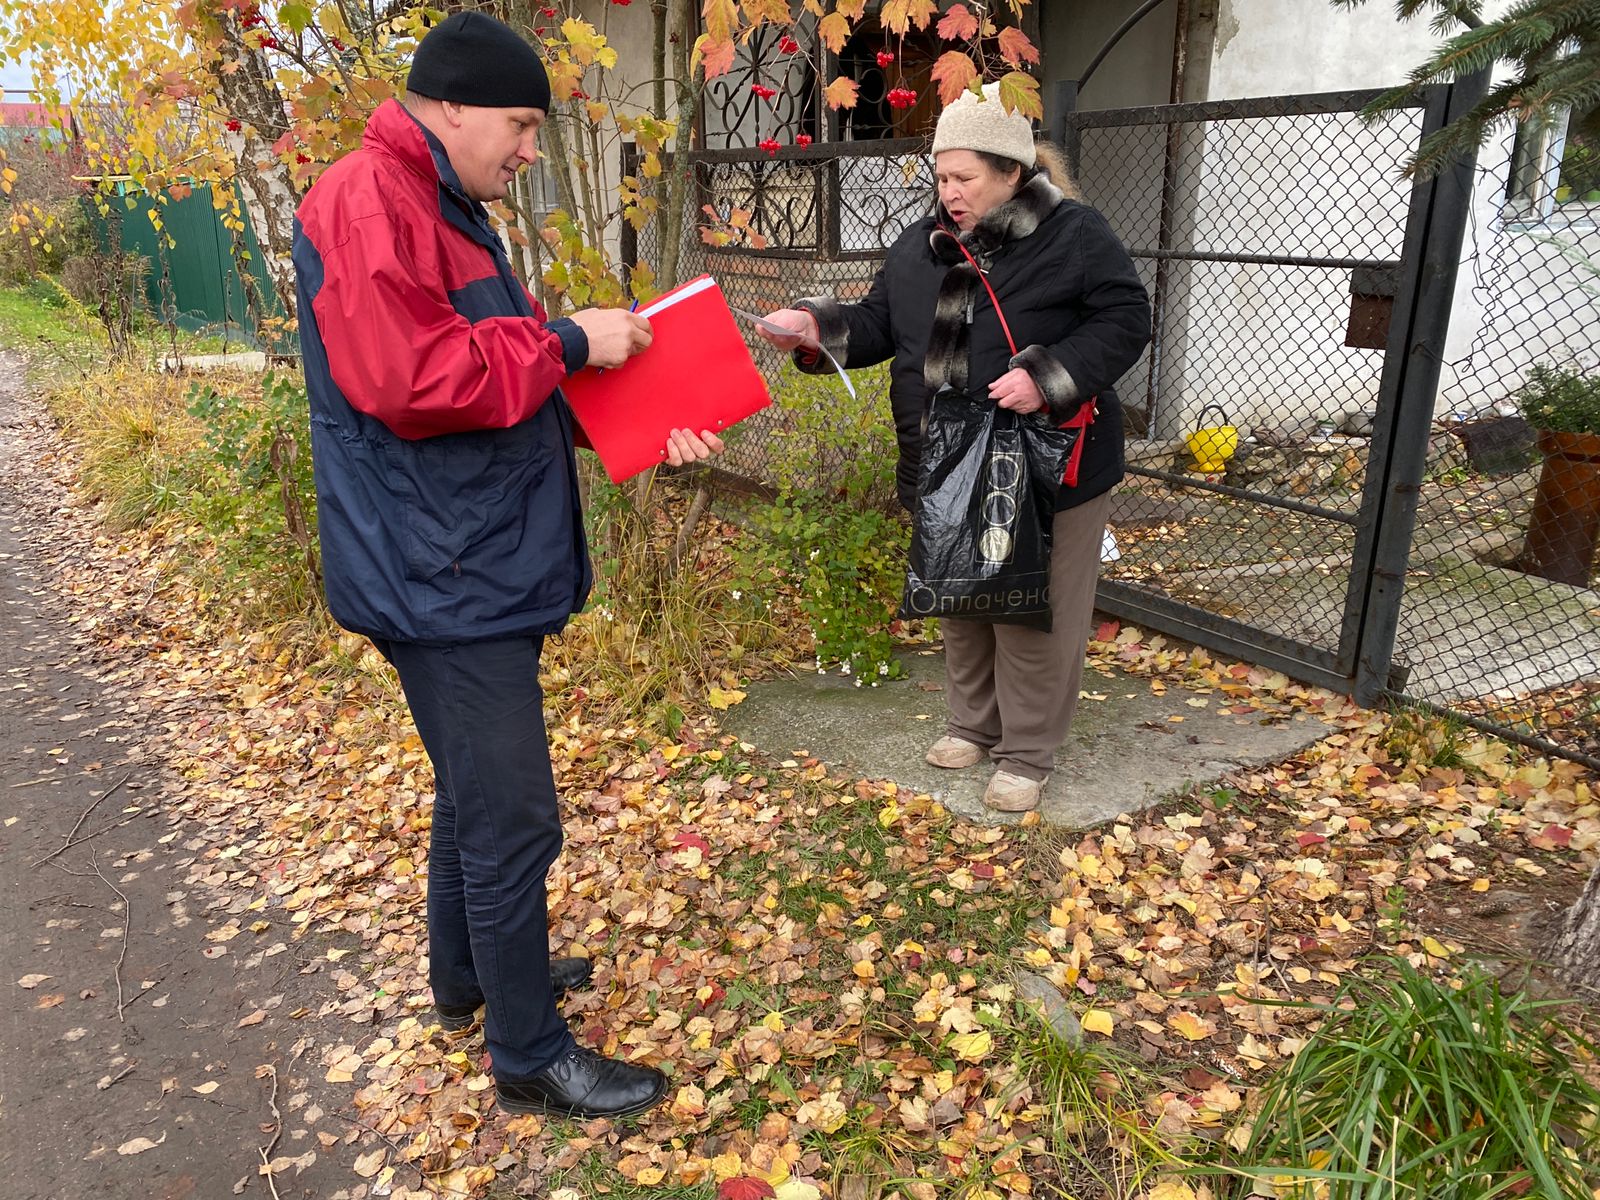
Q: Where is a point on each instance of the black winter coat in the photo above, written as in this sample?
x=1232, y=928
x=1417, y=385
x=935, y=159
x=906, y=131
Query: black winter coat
x=1078, y=313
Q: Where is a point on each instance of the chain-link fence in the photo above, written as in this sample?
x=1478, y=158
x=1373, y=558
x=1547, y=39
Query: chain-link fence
x=1270, y=234
x=1501, y=617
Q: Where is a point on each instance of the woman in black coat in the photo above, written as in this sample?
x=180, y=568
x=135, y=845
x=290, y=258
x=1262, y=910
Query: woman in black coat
x=1080, y=318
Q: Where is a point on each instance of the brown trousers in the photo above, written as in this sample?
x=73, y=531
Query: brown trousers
x=1013, y=689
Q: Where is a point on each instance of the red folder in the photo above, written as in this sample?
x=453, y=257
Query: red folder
x=697, y=375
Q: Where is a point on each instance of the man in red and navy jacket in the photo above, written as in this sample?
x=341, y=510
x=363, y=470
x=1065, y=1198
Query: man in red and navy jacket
x=449, y=517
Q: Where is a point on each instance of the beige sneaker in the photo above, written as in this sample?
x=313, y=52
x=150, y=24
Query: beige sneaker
x=953, y=753
x=1013, y=793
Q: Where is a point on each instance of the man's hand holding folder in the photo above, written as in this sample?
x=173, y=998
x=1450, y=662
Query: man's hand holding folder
x=614, y=336
x=666, y=404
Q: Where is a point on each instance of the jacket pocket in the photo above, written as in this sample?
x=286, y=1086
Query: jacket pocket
x=457, y=490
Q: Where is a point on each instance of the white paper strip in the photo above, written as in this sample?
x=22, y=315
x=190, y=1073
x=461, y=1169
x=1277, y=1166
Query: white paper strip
x=808, y=343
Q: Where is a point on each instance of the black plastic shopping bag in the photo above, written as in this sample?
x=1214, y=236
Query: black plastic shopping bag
x=986, y=504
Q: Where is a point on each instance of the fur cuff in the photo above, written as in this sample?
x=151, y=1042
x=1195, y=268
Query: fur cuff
x=831, y=328
x=1060, y=389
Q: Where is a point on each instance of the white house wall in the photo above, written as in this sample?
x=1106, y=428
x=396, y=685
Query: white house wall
x=1268, y=47
x=1521, y=300
x=1511, y=300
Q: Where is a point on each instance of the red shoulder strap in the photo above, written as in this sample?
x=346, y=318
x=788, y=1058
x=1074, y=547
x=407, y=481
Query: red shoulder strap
x=984, y=279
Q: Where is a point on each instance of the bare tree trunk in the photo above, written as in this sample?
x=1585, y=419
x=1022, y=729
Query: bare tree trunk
x=658, y=57
x=1577, y=949
x=670, y=216
x=267, y=189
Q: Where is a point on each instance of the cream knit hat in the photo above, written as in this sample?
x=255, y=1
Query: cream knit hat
x=969, y=123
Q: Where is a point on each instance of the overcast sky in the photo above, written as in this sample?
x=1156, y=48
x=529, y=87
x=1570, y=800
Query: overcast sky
x=14, y=76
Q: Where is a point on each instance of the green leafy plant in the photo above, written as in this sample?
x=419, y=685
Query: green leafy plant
x=846, y=566
x=1419, y=1086
x=257, y=495
x=832, y=444
x=835, y=533
x=1562, y=399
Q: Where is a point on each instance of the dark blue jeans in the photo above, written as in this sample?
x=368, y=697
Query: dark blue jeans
x=496, y=832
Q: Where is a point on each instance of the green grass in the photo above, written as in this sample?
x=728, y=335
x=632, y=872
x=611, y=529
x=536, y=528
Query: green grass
x=1413, y=1087
x=64, y=342
x=1424, y=740
x=44, y=322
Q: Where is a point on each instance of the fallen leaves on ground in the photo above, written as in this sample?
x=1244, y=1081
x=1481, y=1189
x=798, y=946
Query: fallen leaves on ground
x=827, y=965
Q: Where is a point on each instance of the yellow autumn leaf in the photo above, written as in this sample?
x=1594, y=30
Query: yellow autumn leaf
x=1171, y=1189
x=1190, y=1026
x=650, y=1176
x=688, y=1105
x=841, y=93
x=723, y=699
x=834, y=31
x=1435, y=947
x=973, y=1047
x=1097, y=1020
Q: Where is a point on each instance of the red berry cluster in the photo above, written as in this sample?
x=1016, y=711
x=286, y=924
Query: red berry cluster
x=885, y=57
x=802, y=139
x=901, y=97
x=250, y=18
x=269, y=43
x=233, y=125
x=549, y=12
x=770, y=145
x=763, y=91
x=787, y=45
x=579, y=94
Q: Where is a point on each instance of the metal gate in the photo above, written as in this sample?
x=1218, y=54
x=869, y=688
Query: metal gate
x=1301, y=288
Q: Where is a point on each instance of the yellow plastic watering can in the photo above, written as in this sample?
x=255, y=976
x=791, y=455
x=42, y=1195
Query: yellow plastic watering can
x=1212, y=445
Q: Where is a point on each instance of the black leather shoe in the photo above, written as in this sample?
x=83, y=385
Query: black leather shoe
x=582, y=1084
x=566, y=974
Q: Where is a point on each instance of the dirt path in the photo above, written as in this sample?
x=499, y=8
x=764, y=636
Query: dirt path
x=111, y=1040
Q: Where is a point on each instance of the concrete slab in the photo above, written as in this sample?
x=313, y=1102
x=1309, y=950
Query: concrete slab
x=242, y=360
x=1126, y=749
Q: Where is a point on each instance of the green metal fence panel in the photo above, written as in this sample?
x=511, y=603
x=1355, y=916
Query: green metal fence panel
x=194, y=281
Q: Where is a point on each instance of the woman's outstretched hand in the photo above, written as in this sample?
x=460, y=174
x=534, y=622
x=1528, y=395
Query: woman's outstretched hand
x=801, y=322
x=1017, y=391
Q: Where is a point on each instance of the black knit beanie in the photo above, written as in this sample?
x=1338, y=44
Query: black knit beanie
x=471, y=58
